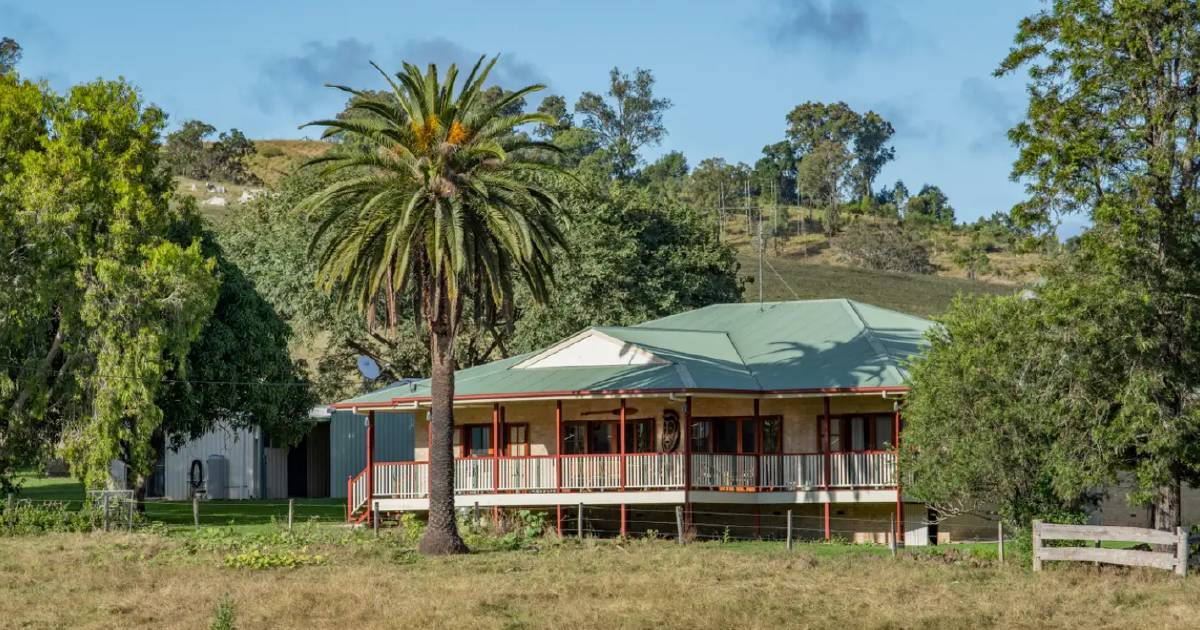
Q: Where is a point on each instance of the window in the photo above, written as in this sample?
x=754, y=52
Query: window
x=745, y=436
x=772, y=435
x=602, y=437
x=516, y=440
x=639, y=436
x=883, y=432
x=858, y=433
x=574, y=438
x=477, y=440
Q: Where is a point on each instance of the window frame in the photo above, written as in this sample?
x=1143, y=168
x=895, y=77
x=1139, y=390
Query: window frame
x=740, y=422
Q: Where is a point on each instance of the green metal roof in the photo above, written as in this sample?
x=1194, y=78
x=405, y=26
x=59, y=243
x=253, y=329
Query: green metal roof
x=773, y=347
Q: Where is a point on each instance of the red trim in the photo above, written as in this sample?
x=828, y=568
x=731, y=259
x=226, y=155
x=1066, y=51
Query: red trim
x=687, y=459
x=825, y=461
x=757, y=456
x=370, y=461
x=558, y=455
x=899, y=389
x=899, y=501
x=496, y=447
x=621, y=471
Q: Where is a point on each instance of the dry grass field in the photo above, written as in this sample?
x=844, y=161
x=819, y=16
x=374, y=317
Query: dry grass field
x=176, y=581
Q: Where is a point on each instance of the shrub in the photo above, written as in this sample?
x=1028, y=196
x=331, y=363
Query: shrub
x=885, y=247
x=25, y=518
x=266, y=558
x=225, y=616
x=271, y=151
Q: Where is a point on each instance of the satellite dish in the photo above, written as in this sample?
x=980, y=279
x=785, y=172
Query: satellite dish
x=368, y=368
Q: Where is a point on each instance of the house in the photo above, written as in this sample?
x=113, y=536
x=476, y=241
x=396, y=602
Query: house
x=738, y=413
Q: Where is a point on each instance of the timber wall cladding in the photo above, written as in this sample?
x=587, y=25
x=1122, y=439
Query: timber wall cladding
x=1175, y=560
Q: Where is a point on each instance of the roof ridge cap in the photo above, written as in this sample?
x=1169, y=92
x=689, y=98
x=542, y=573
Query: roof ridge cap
x=874, y=341
x=745, y=366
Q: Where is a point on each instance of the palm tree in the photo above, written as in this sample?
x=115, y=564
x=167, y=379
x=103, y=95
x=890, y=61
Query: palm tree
x=439, y=198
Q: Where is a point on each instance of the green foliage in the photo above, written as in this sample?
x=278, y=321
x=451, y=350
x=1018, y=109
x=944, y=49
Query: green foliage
x=973, y=255
x=929, y=206
x=885, y=247
x=10, y=54
x=27, y=518
x=634, y=256
x=824, y=177
x=238, y=369
x=189, y=153
x=1110, y=132
x=101, y=302
x=257, y=558
x=982, y=422
x=225, y=617
x=632, y=120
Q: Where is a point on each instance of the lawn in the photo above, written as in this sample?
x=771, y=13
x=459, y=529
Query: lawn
x=176, y=579
x=179, y=513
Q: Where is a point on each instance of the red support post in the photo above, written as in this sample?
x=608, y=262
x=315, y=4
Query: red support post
x=558, y=446
x=558, y=461
x=370, y=463
x=899, y=500
x=825, y=446
x=621, y=439
x=687, y=459
x=757, y=450
x=624, y=529
x=495, y=447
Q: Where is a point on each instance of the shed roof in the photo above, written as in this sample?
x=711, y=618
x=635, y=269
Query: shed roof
x=778, y=347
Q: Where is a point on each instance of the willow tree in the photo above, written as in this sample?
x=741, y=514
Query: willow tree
x=437, y=196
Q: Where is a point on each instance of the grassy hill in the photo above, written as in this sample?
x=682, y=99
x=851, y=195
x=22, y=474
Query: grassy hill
x=800, y=265
x=924, y=295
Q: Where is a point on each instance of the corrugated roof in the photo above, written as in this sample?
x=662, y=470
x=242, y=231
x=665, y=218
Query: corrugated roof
x=778, y=346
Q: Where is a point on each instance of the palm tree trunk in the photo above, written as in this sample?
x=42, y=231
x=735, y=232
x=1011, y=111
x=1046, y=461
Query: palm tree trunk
x=441, y=535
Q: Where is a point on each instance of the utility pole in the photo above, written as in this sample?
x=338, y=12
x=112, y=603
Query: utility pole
x=761, y=247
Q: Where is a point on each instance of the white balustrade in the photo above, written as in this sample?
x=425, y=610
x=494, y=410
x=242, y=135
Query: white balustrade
x=591, y=472
x=405, y=480
x=859, y=470
x=473, y=476
x=531, y=474
x=654, y=470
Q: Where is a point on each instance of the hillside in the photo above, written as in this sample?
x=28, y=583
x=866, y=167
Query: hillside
x=800, y=265
x=274, y=160
x=924, y=295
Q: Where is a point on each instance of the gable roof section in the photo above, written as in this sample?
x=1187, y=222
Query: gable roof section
x=812, y=345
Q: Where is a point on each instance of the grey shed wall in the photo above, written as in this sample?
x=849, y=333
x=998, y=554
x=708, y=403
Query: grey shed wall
x=394, y=435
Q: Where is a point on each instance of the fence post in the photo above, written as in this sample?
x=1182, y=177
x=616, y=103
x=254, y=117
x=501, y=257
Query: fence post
x=1037, y=545
x=105, y=508
x=291, y=512
x=475, y=515
x=132, y=505
x=1181, y=552
x=196, y=512
x=892, y=534
x=1000, y=540
x=579, y=523
x=679, y=523
x=789, y=530
x=375, y=517
x=9, y=503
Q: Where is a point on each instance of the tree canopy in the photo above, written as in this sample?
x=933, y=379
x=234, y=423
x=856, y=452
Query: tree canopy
x=101, y=302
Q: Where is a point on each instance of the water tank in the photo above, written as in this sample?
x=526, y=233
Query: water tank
x=218, y=477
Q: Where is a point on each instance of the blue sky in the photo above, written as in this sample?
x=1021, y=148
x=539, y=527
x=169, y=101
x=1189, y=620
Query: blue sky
x=732, y=69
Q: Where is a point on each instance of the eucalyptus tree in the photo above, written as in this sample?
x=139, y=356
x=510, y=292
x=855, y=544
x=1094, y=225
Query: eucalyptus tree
x=441, y=200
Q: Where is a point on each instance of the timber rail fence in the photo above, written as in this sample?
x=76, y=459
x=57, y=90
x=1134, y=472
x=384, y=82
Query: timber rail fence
x=1175, y=560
